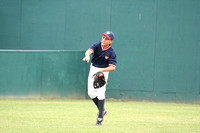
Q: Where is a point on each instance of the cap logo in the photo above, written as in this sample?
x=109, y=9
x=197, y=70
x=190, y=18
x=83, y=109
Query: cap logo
x=108, y=32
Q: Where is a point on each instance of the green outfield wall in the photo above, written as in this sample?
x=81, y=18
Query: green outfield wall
x=157, y=43
x=42, y=74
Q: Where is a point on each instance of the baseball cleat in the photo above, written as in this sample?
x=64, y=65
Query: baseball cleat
x=99, y=121
x=105, y=112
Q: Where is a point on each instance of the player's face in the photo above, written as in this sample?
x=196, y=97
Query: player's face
x=105, y=41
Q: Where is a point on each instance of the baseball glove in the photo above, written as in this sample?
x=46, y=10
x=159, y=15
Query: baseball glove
x=99, y=80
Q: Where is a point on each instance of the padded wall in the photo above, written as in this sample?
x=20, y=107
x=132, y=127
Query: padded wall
x=42, y=74
x=157, y=41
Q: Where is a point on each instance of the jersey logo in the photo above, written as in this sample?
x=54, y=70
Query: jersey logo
x=106, y=57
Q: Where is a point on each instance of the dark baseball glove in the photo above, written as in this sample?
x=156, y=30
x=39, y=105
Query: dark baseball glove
x=99, y=80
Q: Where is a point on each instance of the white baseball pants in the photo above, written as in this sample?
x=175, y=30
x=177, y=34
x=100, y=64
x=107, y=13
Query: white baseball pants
x=100, y=92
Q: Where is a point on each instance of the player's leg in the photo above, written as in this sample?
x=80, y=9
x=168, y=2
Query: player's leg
x=101, y=96
x=101, y=109
x=91, y=91
x=96, y=102
x=101, y=106
x=101, y=99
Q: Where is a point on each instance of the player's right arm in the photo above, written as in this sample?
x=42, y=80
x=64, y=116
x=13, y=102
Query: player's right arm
x=87, y=55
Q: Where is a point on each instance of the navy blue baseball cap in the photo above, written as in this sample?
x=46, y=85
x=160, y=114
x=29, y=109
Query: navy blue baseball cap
x=109, y=35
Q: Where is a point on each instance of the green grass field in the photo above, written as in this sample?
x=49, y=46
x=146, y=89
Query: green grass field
x=79, y=116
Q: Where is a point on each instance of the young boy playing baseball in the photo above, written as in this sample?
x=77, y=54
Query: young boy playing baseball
x=103, y=60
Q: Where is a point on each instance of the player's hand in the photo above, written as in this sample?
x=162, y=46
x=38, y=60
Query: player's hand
x=86, y=58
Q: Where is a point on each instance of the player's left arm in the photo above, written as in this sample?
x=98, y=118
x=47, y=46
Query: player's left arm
x=111, y=67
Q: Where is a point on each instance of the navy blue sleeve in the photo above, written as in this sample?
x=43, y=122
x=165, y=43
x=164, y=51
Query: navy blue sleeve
x=112, y=60
x=94, y=46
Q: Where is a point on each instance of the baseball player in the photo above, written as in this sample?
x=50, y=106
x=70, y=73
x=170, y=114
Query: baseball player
x=103, y=60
